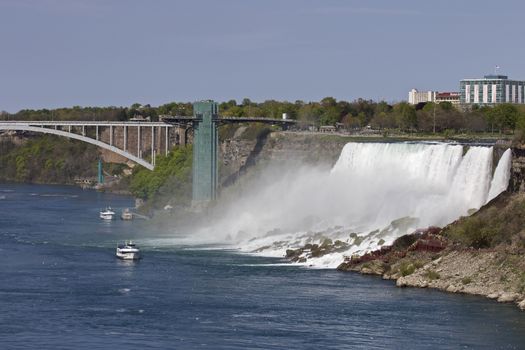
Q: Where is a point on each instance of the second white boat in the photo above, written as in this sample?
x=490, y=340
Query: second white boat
x=107, y=214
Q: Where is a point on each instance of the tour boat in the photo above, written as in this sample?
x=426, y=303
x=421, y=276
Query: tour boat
x=128, y=251
x=126, y=214
x=107, y=214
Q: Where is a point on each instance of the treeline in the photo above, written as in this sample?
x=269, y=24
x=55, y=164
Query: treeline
x=402, y=116
x=100, y=113
x=360, y=113
x=69, y=114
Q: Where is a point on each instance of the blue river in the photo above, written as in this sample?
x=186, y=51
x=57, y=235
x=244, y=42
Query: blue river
x=61, y=287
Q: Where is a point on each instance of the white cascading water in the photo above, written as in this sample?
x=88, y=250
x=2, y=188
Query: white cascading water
x=375, y=193
x=501, y=178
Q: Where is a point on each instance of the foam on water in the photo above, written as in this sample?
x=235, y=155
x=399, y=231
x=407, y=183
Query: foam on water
x=375, y=193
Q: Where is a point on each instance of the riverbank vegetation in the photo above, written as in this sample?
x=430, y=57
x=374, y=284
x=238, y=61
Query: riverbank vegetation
x=170, y=181
x=47, y=159
x=500, y=222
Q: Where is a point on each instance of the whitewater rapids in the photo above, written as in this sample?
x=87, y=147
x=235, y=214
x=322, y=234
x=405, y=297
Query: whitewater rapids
x=375, y=193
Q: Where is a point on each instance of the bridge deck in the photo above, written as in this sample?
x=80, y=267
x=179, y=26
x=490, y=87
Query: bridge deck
x=166, y=122
x=44, y=123
x=178, y=119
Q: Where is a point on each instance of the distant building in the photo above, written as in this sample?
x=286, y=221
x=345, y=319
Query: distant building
x=327, y=128
x=452, y=97
x=415, y=96
x=139, y=118
x=490, y=90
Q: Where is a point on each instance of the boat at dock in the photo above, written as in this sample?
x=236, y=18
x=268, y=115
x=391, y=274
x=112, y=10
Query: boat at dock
x=107, y=214
x=128, y=251
x=126, y=214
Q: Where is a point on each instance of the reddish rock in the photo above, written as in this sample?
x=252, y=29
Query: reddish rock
x=423, y=240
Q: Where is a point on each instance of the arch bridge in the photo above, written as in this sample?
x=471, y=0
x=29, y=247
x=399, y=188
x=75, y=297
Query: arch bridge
x=133, y=140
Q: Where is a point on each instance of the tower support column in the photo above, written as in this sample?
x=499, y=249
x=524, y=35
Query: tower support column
x=205, y=152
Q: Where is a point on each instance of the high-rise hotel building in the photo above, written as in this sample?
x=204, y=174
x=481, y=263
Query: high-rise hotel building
x=415, y=96
x=490, y=90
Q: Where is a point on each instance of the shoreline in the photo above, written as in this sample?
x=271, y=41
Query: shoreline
x=489, y=284
x=96, y=188
x=491, y=273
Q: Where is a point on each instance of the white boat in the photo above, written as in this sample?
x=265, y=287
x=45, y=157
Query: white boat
x=128, y=251
x=107, y=214
x=126, y=214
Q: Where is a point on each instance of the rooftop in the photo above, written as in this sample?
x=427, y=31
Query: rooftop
x=490, y=77
x=494, y=76
x=447, y=94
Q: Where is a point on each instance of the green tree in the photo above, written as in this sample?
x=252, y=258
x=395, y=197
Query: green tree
x=310, y=113
x=503, y=116
x=328, y=102
x=520, y=126
x=362, y=119
x=379, y=121
x=350, y=122
x=405, y=115
x=330, y=116
x=175, y=169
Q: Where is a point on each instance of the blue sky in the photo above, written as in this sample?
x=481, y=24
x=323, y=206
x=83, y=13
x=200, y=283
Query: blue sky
x=59, y=53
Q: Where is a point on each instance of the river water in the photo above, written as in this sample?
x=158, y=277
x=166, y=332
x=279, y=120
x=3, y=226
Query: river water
x=61, y=287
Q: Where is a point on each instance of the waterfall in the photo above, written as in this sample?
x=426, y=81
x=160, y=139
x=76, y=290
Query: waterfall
x=433, y=182
x=375, y=191
x=500, y=182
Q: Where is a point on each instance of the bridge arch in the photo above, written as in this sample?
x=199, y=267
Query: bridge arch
x=18, y=127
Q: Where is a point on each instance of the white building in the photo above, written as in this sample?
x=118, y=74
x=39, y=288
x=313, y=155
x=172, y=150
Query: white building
x=415, y=97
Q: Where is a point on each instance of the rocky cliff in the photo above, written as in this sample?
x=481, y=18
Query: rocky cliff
x=238, y=155
x=517, y=178
x=310, y=148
